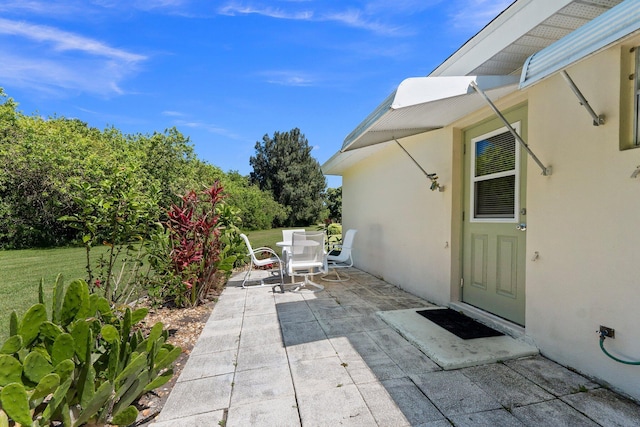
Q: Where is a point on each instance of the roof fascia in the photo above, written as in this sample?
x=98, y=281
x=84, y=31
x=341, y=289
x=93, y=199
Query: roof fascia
x=515, y=21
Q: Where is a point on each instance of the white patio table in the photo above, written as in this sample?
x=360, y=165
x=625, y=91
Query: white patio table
x=287, y=246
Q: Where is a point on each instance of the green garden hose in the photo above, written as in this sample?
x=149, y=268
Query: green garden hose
x=626, y=362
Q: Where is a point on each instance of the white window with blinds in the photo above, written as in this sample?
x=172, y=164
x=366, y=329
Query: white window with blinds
x=495, y=175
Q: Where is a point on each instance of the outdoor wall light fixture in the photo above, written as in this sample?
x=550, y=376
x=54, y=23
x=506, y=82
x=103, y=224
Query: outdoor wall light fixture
x=636, y=172
x=434, y=182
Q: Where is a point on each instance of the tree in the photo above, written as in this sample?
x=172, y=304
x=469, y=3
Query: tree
x=46, y=162
x=256, y=208
x=283, y=165
x=334, y=203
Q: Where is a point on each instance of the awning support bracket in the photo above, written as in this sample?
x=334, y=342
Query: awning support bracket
x=597, y=119
x=432, y=176
x=546, y=170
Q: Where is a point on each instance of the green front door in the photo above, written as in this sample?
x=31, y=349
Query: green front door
x=494, y=224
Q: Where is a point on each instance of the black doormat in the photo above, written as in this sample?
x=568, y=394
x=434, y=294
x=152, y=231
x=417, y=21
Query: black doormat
x=459, y=324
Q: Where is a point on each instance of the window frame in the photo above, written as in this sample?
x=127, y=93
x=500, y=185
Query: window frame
x=636, y=98
x=516, y=172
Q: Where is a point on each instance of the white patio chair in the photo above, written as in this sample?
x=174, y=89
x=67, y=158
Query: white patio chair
x=307, y=258
x=341, y=258
x=272, y=259
x=287, y=236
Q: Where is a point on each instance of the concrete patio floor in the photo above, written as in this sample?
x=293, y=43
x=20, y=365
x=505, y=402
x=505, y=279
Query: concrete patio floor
x=328, y=358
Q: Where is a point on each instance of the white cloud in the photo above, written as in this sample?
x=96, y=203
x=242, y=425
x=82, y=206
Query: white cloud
x=233, y=9
x=209, y=127
x=52, y=60
x=399, y=7
x=172, y=113
x=40, y=7
x=355, y=18
x=56, y=77
x=288, y=78
x=64, y=40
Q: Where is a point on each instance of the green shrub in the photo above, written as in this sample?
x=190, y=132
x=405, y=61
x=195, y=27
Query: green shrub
x=188, y=257
x=80, y=363
x=334, y=229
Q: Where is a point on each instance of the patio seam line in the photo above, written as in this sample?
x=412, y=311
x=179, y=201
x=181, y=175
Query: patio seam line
x=377, y=380
x=286, y=350
x=557, y=399
x=338, y=355
x=353, y=381
x=237, y=351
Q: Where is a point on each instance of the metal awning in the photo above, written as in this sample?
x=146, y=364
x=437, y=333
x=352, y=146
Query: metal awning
x=599, y=33
x=421, y=104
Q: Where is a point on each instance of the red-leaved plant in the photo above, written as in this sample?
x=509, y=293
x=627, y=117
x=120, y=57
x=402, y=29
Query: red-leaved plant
x=195, y=242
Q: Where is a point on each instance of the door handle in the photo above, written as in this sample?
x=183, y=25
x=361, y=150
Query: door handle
x=522, y=226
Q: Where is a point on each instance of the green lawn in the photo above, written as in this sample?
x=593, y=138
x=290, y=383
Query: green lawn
x=269, y=237
x=22, y=271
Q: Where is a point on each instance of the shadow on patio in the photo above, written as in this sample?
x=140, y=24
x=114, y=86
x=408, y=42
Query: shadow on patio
x=327, y=358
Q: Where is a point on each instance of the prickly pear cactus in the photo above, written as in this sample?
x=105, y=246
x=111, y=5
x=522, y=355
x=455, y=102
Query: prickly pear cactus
x=10, y=370
x=58, y=298
x=76, y=299
x=15, y=403
x=63, y=348
x=50, y=330
x=86, y=364
x=13, y=324
x=30, y=326
x=12, y=345
x=47, y=385
x=36, y=366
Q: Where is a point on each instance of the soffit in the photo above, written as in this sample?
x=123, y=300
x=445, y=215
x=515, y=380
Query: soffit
x=597, y=34
x=517, y=47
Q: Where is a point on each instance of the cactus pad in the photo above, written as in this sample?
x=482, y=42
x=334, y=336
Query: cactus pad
x=36, y=366
x=138, y=315
x=80, y=334
x=12, y=345
x=30, y=326
x=75, y=300
x=13, y=324
x=58, y=297
x=125, y=417
x=15, y=403
x=10, y=370
x=46, y=386
x=63, y=348
x=110, y=334
x=50, y=330
x=65, y=369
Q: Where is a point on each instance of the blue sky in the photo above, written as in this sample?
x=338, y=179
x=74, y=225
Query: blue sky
x=225, y=73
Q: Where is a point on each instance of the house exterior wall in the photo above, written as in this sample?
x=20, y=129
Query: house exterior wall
x=404, y=228
x=582, y=222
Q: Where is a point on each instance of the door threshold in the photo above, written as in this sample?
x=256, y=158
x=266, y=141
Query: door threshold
x=512, y=329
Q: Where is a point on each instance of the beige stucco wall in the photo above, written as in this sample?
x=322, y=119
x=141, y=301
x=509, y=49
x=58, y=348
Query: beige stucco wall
x=404, y=227
x=583, y=222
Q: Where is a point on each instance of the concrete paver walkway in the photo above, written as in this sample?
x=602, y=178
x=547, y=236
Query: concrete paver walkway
x=327, y=359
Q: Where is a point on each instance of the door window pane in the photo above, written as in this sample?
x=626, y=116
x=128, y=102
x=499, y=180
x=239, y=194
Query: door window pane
x=495, y=154
x=495, y=198
x=494, y=177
